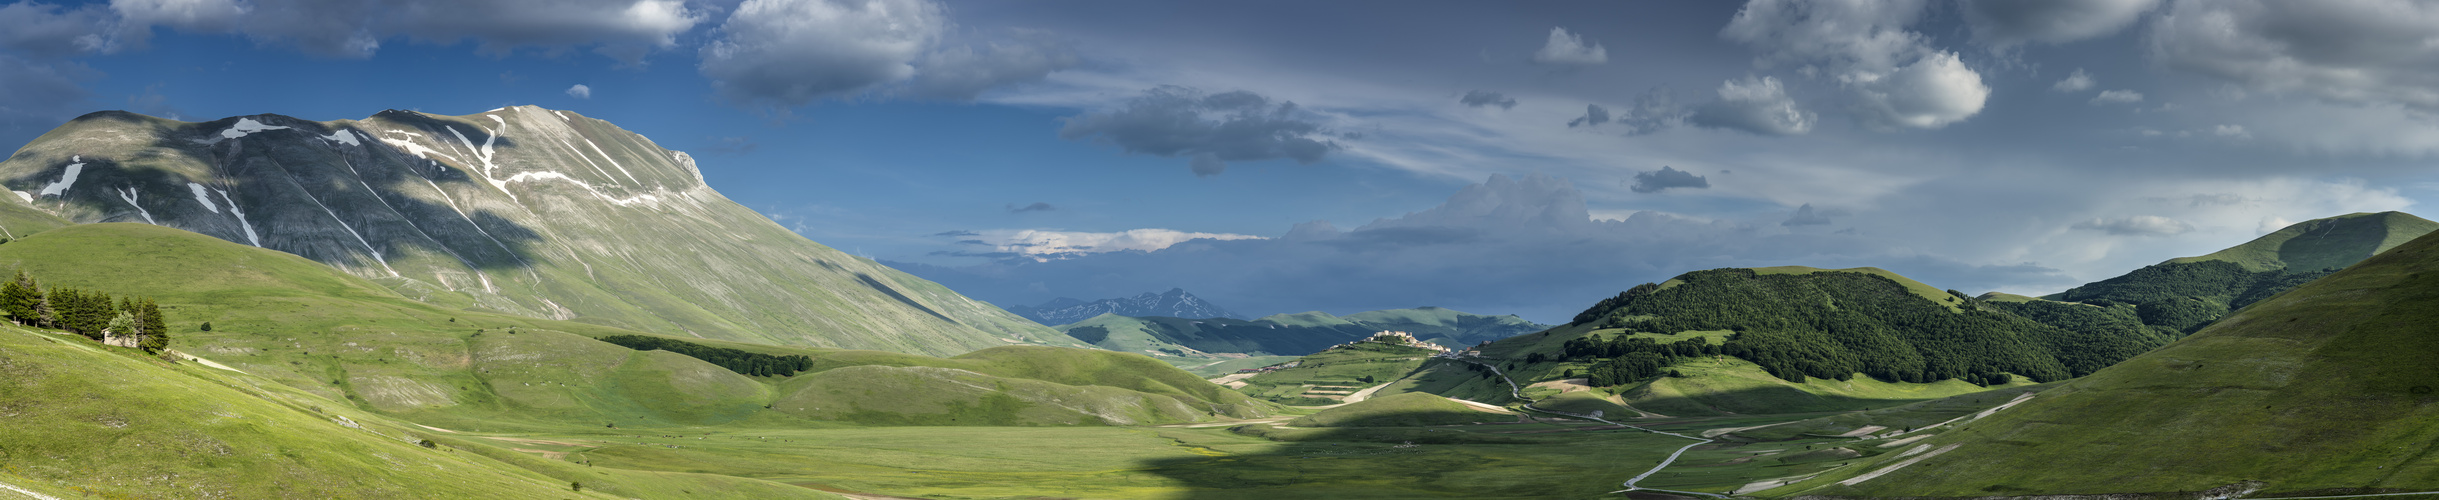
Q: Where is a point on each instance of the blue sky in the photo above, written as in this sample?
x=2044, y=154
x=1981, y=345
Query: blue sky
x=1992, y=145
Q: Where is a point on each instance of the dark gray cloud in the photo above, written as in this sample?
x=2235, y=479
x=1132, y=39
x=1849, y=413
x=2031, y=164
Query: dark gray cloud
x=1480, y=98
x=623, y=29
x=957, y=233
x=2347, y=52
x=2139, y=225
x=788, y=53
x=1172, y=121
x=45, y=30
x=1805, y=216
x=2010, y=22
x=1668, y=178
x=1508, y=245
x=1594, y=116
x=962, y=72
x=1035, y=207
x=1756, y=105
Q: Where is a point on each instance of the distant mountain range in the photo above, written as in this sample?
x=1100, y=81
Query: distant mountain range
x=1175, y=303
x=1291, y=334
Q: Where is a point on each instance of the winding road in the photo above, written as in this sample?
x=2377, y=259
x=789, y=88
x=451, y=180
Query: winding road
x=1518, y=391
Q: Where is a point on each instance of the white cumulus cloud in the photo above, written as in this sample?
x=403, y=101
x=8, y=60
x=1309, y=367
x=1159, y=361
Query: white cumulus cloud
x=1757, y=105
x=580, y=91
x=1566, y=49
x=789, y=53
x=1898, y=80
x=2077, y=82
x=1930, y=93
x=1045, y=245
x=2117, y=97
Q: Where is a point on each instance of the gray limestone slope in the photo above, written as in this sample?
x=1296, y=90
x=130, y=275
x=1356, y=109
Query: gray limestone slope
x=522, y=210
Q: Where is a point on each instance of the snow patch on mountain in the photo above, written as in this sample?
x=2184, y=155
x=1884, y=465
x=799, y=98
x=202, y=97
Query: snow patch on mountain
x=247, y=126
x=131, y=195
x=613, y=162
x=411, y=146
x=343, y=137
x=628, y=201
x=484, y=154
x=66, y=180
x=251, y=238
x=571, y=149
x=203, y=196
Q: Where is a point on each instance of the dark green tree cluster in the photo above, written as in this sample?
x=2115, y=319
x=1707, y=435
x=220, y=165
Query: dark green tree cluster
x=1596, y=348
x=2186, y=296
x=1836, y=324
x=91, y=314
x=1628, y=368
x=2093, y=326
x=743, y=362
x=1625, y=360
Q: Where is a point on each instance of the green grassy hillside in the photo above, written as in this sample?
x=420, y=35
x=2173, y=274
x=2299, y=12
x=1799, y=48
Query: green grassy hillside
x=84, y=420
x=2328, y=243
x=2183, y=295
x=1800, y=323
x=2325, y=389
x=1322, y=377
x=347, y=339
x=519, y=210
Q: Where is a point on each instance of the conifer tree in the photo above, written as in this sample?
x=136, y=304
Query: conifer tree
x=154, y=328
x=18, y=298
x=45, y=315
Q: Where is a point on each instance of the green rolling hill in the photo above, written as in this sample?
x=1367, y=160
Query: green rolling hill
x=1290, y=334
x=2185, y=294
x=348, y=339
x=520, y=210
x=1793, y=339
x=2326, y=389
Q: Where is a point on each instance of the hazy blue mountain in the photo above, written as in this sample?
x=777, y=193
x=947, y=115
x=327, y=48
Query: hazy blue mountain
x=1291, y=334
x=1175, y=303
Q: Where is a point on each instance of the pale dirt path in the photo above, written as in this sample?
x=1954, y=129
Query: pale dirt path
x=26, y=492
x=1364, y=394
x=1224, y=380
x=1484, y=407
x=205, y=362
x=1899, y=465
x=1356, y=397
x=1724, y=430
